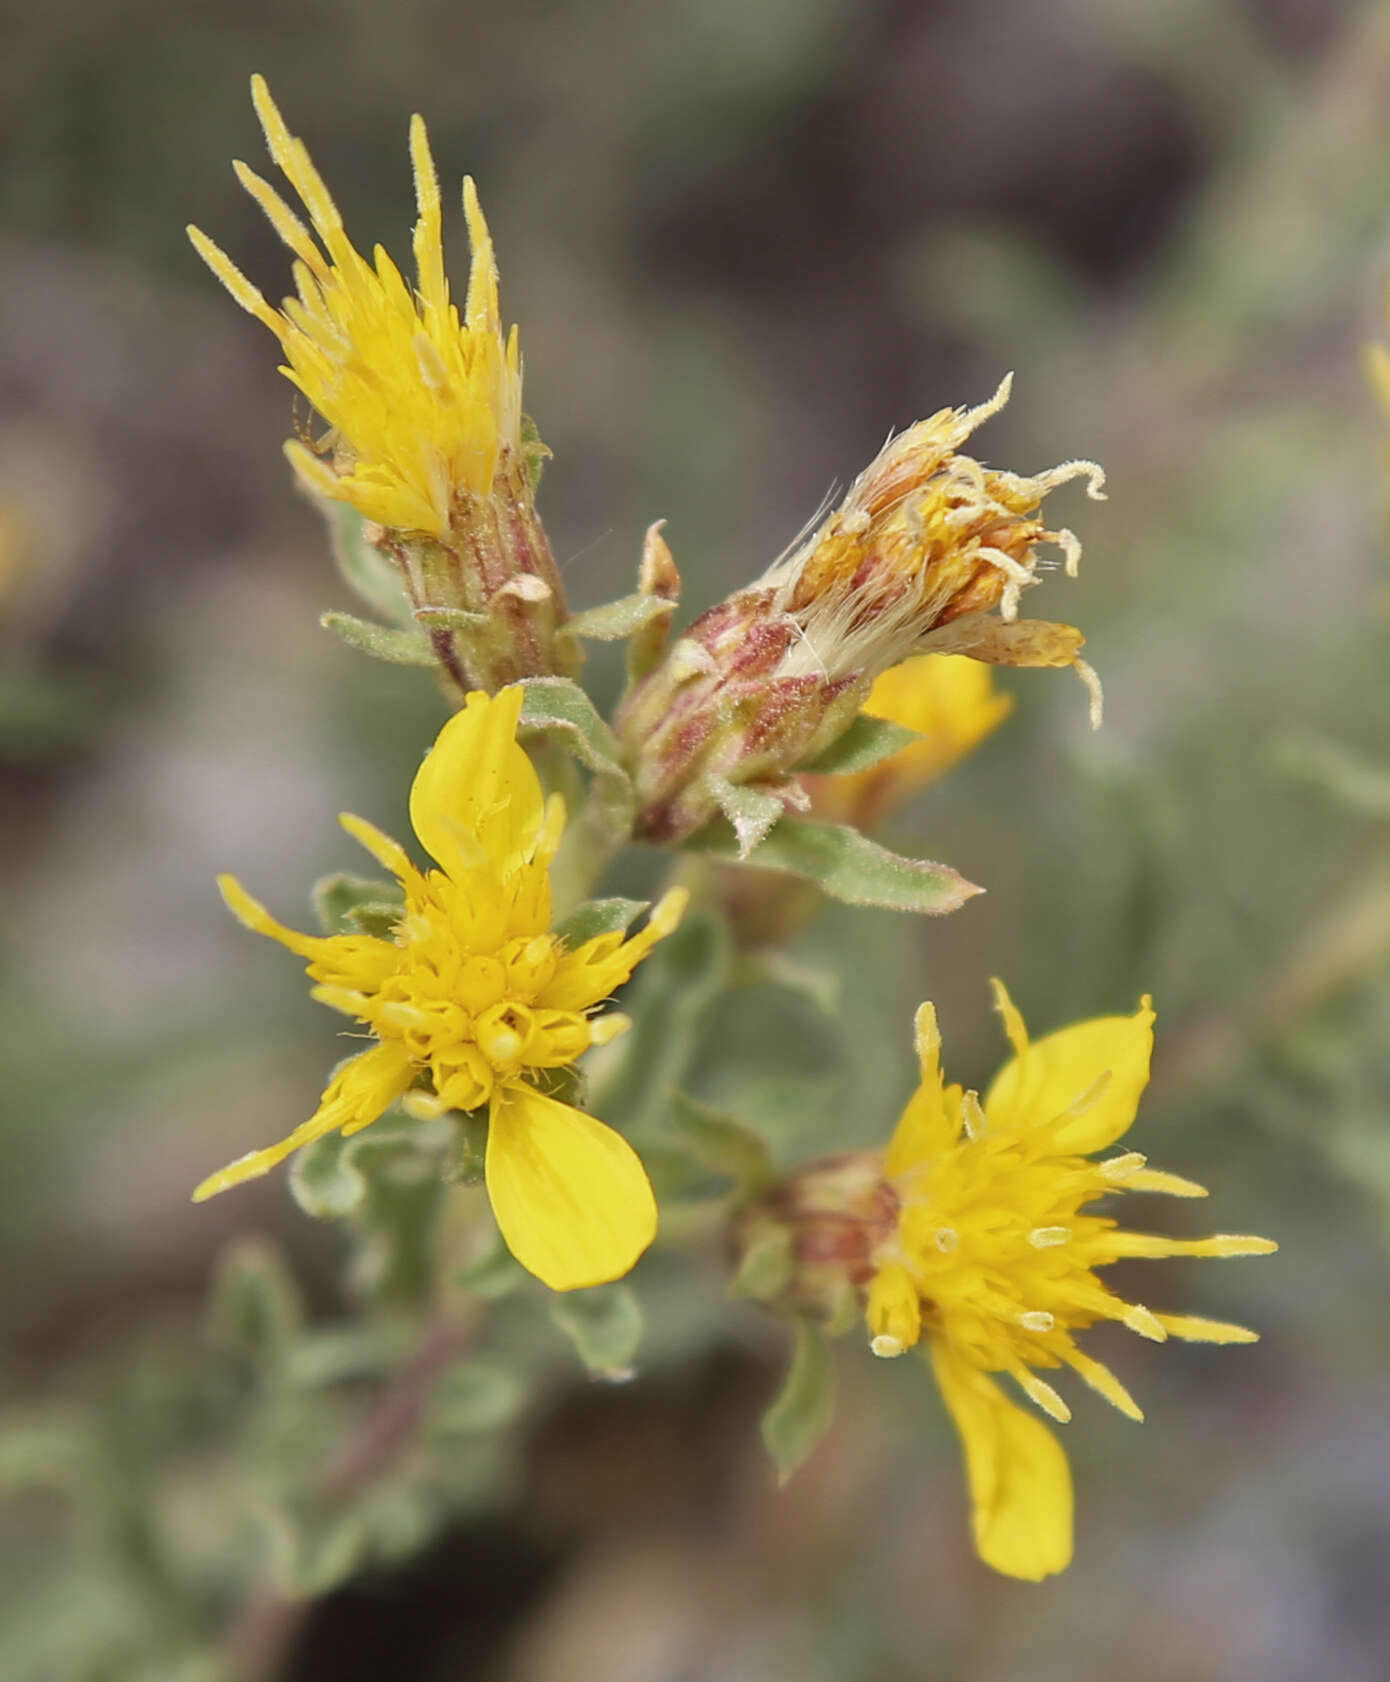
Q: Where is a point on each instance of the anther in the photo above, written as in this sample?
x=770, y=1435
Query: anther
x=1046, y=1237
x=1121, y=1167
x=971, y=1115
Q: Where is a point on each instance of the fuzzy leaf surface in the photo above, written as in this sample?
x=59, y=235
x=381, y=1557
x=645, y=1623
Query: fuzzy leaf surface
x=845, y=865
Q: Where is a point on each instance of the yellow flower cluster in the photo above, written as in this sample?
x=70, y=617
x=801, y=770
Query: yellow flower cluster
x=474, y=998
x=991, y=1258
x=423, y=405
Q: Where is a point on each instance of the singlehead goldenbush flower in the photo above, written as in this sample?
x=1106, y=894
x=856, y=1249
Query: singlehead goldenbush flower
x=427, y=437
x=950, y=701
x=930, y=551
x=990, y=1257
x=472, y=1000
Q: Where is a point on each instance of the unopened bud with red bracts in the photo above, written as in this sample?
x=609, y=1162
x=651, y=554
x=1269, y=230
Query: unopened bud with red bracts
x=807, y=1245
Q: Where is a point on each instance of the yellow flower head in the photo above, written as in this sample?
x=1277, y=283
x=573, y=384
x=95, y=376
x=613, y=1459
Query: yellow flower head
x=423, y=405
x=950, y=701
x=992, y=1259
x=474, y=998
x=925, y=545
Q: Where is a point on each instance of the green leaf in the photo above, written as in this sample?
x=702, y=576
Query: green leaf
x=866, y=743
x=616, y=620
x=765, y=1267
x=803, y=1408
x=402, y=648
x=338, y=1354
x=778, y=968
x=310, y=1555
x=605, y=1326
x=467, y=1157
x=845, y=864
x=631, y=1081
x=369, y=572
x=327, y=1178
x=558, y=707
x=255, y=1304
x=475, y=1395
x=491, y=1272
x=324, y=1181
x=596, y=917
x=723, y=1143
x=347, y=904
x=751, y=810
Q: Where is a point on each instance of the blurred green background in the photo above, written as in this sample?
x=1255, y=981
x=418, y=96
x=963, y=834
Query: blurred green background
x=744, y=239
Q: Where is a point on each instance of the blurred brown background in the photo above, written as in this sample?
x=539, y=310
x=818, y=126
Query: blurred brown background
x=744, y=239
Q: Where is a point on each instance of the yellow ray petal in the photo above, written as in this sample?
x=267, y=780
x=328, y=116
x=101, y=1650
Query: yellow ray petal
x=1121, y=1242
x=1067, y=1069
x=1014, y=1030
x=1196, y=1328
x=1104, y=1383
x=253, y=915
x=380, y=845
x=928, y=1124
x=894, y=1311
x=1020, y=1483
x=356, y=1096
x=477, y=789
x=1171, y=1185
x=591, y=972
x=570, y=1195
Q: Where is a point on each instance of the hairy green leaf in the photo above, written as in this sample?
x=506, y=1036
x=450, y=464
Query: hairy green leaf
x=752, y=811
x=402, y=648
x=616, y=620
x=866, y=743
x=559, y=708
x=845, y=864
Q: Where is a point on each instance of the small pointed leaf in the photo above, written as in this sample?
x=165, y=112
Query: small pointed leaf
x=723, y=1143
x=765, y=1268
x=369, y=572
x=752, y=811
x=866, y=743
x=402, y=648
x=347, y=904
x=616, y=620
x=803, y=1408
x=596, y=917
x=605, y=1326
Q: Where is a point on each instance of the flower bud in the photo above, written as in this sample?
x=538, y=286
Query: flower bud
x=825, y=1224
x=922, y=551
